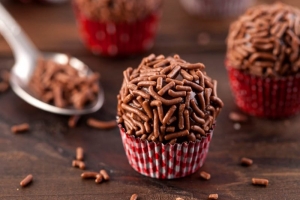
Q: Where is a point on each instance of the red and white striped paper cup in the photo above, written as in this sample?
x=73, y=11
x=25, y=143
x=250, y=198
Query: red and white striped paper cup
x=216, y=8
x=265, y=97
x=115, y=39
x=165, y=161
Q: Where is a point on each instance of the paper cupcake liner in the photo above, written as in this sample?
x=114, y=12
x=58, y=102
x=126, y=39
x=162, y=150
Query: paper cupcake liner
x=111, y=39
x=265, y=97
x=165, y=161
x=216, y=8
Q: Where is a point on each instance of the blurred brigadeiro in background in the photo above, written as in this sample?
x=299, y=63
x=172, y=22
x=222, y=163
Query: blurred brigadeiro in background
x=117, y=27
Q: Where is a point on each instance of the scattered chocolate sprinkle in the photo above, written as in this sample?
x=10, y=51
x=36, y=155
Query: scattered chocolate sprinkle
x=28, y=179
x=204, y=175
x=79, y=153
x=20, y=128
x=134, y=197
x=104, y=174
x=73, y=121
x=99, y=178
x=213, y=196
x=246, y=161
x=78, y=163
x=88, y=175
x=260, y=181
x=101, y=124
x=238, y=117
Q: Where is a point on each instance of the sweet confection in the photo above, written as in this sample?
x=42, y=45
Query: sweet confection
x=167, y=109
x=263, y=60
x=117, y=27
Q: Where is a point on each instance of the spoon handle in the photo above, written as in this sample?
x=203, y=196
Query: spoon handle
x=23, y=49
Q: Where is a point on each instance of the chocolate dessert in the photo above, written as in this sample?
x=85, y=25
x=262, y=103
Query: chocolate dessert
x=168, y=100
x=265, y=41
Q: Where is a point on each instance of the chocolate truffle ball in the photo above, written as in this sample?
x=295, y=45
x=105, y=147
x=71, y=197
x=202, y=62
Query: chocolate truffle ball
x=265, y=41
x=168, y=100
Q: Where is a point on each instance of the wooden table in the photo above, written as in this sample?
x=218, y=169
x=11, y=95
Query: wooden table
x=48, y=149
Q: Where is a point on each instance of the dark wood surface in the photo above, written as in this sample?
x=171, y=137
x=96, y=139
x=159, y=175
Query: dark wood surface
x=48, y=149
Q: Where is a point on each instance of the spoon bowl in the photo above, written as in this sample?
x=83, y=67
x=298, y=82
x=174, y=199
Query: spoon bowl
x=20, y=86
x=26, y=56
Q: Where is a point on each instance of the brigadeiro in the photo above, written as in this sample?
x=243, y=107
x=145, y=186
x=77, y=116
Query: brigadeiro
x=263, y=61
x=167, y=110
x=117, y=27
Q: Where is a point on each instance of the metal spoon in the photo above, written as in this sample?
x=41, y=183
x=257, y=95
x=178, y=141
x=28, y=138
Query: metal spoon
x=26, y=55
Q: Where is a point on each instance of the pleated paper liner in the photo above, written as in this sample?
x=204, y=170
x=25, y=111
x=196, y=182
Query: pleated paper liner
x=216, y=8
x=165, y=161
x=265, y=97
x=115, y=39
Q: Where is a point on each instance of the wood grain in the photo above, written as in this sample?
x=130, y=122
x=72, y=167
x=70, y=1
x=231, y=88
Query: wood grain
x=47, y=150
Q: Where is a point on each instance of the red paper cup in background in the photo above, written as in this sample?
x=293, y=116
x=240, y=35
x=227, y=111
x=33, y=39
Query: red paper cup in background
x=216, y=8
x=114, y=39
x=265, y=97
x=165, y=161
